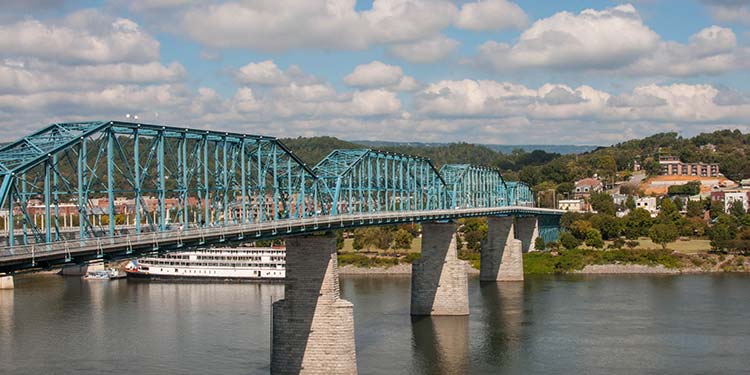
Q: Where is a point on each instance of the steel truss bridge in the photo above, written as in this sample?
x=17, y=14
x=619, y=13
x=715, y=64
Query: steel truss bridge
x=74, y=192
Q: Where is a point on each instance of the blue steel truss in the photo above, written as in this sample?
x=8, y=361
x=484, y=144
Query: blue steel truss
x=356, y=181
x=107, y=179
x=520, y=194
x=474, y=186
x=171, y=176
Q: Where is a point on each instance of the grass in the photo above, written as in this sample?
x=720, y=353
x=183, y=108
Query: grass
x=572, y=260
x=416, y=245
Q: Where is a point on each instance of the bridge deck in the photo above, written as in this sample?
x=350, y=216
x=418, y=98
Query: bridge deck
x=46, y=255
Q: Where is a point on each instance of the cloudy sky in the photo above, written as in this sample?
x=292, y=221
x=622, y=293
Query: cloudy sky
x=489, y=71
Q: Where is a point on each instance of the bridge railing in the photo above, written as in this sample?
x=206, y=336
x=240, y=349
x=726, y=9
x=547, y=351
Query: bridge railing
x=71, y=246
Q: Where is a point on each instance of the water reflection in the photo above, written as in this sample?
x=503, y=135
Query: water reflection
x=441, y=344
x=503, y=317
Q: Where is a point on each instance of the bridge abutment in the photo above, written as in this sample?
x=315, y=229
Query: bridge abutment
x=439, y=283
x=6, y=282
x=502, y=254
x=527, y=230
x=313, y=328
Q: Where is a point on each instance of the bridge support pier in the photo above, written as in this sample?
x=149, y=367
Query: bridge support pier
x=313, y=328
x=6, y=282
x=439, y=283
x=502, y=254
x=80, y=269
x=527, y=230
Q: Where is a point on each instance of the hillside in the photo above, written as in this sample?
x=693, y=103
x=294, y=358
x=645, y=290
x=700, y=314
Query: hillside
x=544, y=170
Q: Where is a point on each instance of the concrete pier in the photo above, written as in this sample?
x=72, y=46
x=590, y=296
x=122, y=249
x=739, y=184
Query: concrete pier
x=6, y=282
x=313, y=328
x=81, y=269
x=439, y=283
x=497, y=252
x=527, y=230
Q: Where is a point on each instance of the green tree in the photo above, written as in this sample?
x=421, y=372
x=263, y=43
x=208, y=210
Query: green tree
x=539, y=244
x=720, y=236
x=609, y=226
x=668, y=213
x=602, y=203
x=637, y=223
x=339, y=239
x=663, y=234
x=402, y=239
x=569, y=241
x=694, y=209
x=630, y=203
x=564, y=188
x=717, y=208
x=594, y=239
x=580, y=228
x=737, y=209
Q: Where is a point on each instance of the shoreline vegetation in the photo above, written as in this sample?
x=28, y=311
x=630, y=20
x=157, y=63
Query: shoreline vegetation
x=575, y=261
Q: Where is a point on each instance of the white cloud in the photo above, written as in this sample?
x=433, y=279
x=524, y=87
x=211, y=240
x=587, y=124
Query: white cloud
x=608, y=38
x=263, y=73
x=86, y=36
x=379, y=75
x=654, y=103
x=288, y=24
x=425, y=51
x=491, y=15
x=614, y=39
x=730, y=10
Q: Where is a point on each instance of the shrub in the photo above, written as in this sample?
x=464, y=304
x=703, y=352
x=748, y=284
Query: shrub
x=569, y=241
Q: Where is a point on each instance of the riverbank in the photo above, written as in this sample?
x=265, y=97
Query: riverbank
x=584, y=261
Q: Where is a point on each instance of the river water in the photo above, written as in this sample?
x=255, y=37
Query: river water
x=574, y=324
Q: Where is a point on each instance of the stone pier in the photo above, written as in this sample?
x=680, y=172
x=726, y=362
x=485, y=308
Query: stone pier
x=80, y=269
x=313, y=328
x=501, y=258
x=439, y=283
x=6, y=282
x=527, y=230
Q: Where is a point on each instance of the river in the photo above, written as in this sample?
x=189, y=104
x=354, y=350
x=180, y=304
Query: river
x=566, y=324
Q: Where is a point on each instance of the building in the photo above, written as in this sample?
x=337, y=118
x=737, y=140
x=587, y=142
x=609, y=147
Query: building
x=585, y=187
x=731, y=196
x=672, y=166
x=572, y=205
x=619, y=199
x=648, y=204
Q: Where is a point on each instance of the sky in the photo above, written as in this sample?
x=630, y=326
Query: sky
x=481, y=71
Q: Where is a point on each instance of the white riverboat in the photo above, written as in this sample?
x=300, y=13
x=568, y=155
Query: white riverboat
x=225, y=263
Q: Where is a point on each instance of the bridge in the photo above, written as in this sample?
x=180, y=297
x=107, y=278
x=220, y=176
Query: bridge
x=77, y=192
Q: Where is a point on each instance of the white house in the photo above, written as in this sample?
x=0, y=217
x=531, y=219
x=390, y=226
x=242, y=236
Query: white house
x=648, y=204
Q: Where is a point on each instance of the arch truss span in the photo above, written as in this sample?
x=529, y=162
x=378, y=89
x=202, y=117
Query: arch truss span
x=474, y=186
x=104, y=178
x=361, y=181
x=520, y=194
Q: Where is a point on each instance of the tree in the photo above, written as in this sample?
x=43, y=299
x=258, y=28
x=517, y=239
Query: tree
x=402, y=239
x=637, y=223
x=594, y=239
x=580, y=228
x=539, y=244
x=720, y=235
x=663, y=234
x=737, y=209
x=694, y=209
x=564, y=188
x=717, y=208
x=602, y=203
x=569, y=241
x=609, y=226
x=339, y=239
x=630, y=203
x=668, y=213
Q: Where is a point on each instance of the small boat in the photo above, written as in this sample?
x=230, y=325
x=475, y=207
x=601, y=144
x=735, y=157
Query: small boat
x=108, y=274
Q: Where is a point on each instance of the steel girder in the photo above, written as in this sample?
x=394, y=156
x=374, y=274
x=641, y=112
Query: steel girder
x=357, y=181
x=474, y=186
x=520, y=194
x=168, y=176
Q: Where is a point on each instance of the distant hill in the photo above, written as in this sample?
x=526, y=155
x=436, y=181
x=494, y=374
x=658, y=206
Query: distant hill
x=505, y=149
